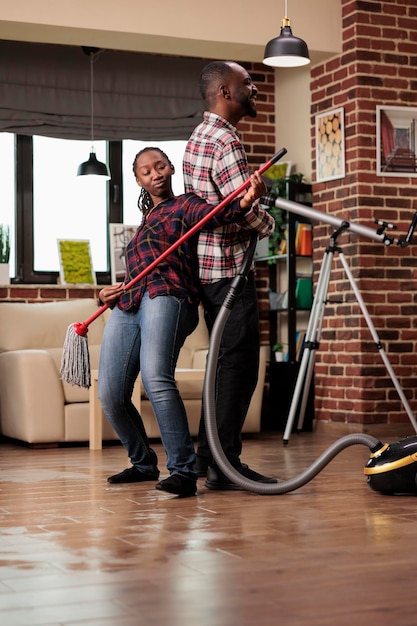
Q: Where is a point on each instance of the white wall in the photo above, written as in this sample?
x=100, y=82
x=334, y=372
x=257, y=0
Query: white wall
x=292, y=117
x=236, y=29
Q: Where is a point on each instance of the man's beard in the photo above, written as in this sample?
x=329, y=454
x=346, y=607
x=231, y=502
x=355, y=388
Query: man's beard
x=250, y=110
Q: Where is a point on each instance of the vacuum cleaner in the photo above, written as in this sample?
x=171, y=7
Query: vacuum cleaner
x=391, y=468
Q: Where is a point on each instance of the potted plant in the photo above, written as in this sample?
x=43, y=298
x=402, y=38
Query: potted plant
x=4, y=254
x=278, y=350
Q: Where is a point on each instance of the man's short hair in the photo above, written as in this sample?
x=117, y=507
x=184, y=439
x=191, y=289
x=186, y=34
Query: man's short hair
x=211, y=76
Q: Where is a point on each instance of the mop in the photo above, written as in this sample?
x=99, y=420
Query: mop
x=75, y=362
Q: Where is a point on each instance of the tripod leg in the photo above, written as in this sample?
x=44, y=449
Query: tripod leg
x=296, y=395
x=310, y=368
x=378, y=342
x=307, y=386
x=311, y=343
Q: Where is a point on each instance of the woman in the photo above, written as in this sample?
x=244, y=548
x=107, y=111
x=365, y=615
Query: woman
x=151, y=321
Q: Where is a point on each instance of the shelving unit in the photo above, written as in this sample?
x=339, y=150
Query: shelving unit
x=286, y=322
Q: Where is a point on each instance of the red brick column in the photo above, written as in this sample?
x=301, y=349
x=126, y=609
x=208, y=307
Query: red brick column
x=378, y=66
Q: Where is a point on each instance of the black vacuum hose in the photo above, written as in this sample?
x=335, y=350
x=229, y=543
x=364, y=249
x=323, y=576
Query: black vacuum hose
x=209, y=402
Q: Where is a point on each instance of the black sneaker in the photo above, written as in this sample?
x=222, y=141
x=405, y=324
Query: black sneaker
x=179, y=485
x=218, y=481
x=247, y=472
x=132, y=475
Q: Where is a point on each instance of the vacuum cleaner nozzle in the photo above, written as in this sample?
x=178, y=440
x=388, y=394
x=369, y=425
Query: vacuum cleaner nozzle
x=392, y=468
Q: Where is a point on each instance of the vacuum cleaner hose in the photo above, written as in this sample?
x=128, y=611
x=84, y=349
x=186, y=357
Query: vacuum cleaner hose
x=213, y=437
x=209, y=402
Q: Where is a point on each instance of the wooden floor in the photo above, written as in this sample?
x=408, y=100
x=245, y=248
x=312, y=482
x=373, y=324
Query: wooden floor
x=75, y=550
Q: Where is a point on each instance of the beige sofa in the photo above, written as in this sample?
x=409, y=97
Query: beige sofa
x=37, y=407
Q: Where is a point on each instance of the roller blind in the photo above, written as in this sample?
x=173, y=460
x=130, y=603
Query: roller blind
x=45, y=90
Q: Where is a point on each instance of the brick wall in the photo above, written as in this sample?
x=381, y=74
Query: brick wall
x=258, y=134
x=46, y=293
x=378, y=66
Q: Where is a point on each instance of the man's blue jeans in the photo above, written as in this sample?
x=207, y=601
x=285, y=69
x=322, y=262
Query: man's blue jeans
x=148, y=341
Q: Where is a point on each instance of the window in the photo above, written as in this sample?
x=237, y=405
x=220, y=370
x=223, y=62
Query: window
x=67, y=206
x=53, y=203
x=136, y=94
x=7, y=184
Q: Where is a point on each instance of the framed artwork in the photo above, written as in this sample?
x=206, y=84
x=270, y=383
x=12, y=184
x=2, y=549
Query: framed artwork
x=330, y=145
x=120, y=235
x=396, y=141
x=75, y=264
x=278, y=170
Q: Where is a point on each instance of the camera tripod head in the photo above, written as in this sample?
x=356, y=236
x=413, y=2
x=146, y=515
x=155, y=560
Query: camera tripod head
x=403, y=243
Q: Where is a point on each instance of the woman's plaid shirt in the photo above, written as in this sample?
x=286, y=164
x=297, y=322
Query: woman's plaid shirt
x=177, y=274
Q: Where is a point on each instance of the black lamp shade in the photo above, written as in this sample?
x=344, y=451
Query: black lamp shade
x=92, y=167
x=286, y=50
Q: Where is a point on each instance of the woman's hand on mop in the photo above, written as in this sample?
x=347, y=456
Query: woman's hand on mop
x=110, y=295
x=256, y=190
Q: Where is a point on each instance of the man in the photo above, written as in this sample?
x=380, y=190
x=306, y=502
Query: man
x=214, y=165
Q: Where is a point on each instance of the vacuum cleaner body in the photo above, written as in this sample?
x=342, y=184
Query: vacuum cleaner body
x=393, y=468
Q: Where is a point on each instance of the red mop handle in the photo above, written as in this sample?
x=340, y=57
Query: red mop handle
x=81, y=328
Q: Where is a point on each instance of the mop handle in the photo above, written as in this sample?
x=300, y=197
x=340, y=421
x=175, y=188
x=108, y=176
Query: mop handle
x=82, y=327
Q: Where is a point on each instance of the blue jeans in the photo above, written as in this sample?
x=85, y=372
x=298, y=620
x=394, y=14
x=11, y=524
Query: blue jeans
x=148, y=341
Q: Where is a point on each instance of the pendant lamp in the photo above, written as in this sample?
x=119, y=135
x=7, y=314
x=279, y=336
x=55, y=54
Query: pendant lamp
x=93, y=167
x=286, y=50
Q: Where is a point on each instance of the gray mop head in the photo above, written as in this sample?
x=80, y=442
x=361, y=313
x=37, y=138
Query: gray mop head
x=75, y=362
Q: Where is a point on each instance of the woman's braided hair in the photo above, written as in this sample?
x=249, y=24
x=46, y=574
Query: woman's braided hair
x=145, y=203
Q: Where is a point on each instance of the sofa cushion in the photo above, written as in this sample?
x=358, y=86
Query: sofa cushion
x=44, y=325
x=191, y=389
x=199, y=338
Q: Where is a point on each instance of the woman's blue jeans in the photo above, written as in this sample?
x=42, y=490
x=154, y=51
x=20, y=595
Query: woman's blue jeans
x=148, y=341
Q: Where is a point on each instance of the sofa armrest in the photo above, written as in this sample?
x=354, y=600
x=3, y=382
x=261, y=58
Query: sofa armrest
x=31, y=397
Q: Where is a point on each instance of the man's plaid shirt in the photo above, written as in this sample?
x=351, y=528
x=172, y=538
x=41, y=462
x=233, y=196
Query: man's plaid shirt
x=214, y=165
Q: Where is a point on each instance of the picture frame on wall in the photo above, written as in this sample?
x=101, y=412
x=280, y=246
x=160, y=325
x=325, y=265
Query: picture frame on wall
x=396, y=141
x=120, y=235
x=330, y=145
x=75, y=262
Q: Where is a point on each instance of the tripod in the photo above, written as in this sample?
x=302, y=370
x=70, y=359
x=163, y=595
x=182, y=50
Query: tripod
x=313, y=333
